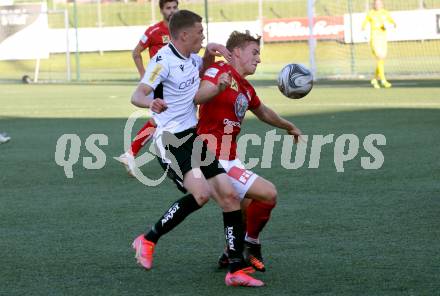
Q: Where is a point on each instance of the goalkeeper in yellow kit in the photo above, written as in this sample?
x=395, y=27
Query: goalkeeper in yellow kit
x=379, y=19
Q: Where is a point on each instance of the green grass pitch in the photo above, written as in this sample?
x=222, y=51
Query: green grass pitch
x=361, y=232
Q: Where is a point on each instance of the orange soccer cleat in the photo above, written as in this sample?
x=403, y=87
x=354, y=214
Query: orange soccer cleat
x=144, y=251
x=241, y=278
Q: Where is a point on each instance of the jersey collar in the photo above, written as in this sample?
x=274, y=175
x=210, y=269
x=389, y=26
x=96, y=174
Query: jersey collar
x=236, y=74
x=176, y=52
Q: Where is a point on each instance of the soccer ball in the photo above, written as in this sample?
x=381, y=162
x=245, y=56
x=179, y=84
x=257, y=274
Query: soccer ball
x=295, y=81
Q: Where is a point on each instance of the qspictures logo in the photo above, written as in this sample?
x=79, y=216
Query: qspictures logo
x=346, y=148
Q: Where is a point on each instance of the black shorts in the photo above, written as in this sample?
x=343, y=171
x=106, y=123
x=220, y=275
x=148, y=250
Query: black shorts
x=184, y=157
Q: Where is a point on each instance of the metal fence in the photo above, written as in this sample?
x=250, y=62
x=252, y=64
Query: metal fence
x=333, y=57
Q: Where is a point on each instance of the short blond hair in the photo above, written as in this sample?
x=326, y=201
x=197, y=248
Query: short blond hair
x=240, y=40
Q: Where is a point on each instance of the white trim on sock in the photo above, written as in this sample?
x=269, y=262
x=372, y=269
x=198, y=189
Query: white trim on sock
x=252, y=240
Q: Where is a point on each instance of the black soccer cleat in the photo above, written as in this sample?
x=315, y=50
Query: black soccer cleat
x=252, y=255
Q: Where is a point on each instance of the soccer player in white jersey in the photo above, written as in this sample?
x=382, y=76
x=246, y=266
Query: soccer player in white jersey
x=178, y=68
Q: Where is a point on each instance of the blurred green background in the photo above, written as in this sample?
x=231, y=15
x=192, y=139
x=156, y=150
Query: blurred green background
x=334, y=59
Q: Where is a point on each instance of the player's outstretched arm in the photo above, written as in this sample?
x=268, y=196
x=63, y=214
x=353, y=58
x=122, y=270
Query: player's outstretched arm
x=213, y=50
x=208, y=90
x=391, y=20
x=366, y=21
x=269, y=116
x=218, y=50
x=137, y=58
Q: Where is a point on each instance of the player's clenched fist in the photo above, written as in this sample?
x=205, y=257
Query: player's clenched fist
x=224, y=80
x=158, y=106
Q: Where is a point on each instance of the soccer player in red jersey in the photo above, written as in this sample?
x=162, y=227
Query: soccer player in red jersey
x=154, y=38
x=225, y=95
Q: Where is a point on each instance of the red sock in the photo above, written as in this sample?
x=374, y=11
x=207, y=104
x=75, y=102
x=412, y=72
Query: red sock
x=258, y=213
x=142, y=137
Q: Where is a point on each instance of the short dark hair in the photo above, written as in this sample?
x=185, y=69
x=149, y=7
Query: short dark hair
x=183, y=19
x=162, y=2
x=239, y=39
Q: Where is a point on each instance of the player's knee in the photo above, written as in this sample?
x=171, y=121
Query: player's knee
x=230, y=196
x=230, y=199
x=202, y=197
x=271, y=194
